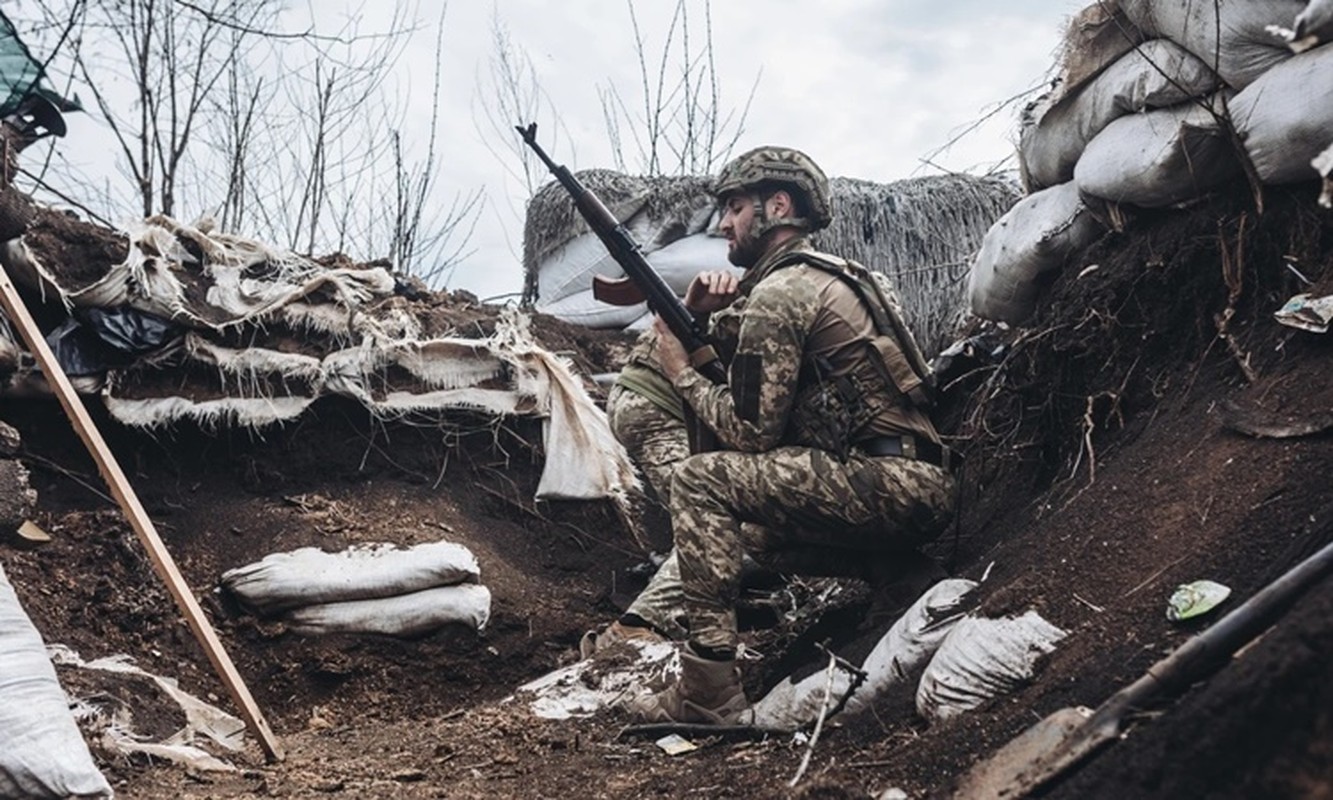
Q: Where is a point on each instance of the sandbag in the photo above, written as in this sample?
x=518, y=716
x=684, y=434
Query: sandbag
x=1035, y=237
x=1158, y=74
x=982, y=659
x=405, y=615
x=42, y=753
x=901, y=653
x=1095, y=38
x=570, y=267
x=678, y=262
x=584, y=309
x=1285, y=118
x=1160, y=158
x=310, y=576
x=1232, y=34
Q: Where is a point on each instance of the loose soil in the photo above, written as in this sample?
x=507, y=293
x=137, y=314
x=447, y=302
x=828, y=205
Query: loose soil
x=1099, y=475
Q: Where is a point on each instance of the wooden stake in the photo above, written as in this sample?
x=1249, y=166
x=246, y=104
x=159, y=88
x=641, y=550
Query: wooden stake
x=138, y=518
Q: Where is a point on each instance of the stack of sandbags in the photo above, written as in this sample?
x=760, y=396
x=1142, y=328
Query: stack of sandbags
x=1160, y=102
x=953, y=661
x=379, y=589
x=900, y=655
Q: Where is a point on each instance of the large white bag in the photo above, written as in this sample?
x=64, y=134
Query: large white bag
x=982, y=659
x=42, y=753
x=1158, y=74
x=310, y=576
x=678, y=262
x=405, y=615
x=571, y=266
x=1160, y=158
x=1036, y=236
x=584, y=309
x=1285, y=118
x=900, y=654
x=1233, y=34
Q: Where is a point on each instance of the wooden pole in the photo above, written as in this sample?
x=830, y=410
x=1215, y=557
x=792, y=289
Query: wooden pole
x=138, y=518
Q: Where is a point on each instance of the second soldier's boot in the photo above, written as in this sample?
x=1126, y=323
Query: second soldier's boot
x=615, y=633
x=708, y=692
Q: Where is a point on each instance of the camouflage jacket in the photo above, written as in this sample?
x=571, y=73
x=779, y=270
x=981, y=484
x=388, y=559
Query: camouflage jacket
x=782, y=319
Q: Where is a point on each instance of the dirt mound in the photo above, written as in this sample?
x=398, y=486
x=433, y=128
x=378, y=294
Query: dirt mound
x=1100, y=474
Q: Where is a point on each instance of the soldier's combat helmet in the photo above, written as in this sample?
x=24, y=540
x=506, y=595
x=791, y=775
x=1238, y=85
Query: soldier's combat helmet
x=784, y=167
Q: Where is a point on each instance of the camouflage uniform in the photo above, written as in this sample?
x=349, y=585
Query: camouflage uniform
x=647, y=417
x=652, y=429
x=777, y=488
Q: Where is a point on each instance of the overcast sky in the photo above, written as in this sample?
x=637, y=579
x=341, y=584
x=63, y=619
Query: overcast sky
x=869, y=88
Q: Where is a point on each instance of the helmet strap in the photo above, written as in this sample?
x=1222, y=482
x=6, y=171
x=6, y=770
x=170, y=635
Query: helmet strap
x=762, y=223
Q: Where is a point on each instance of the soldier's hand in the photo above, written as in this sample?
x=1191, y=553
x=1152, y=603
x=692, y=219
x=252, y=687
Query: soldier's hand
x=711, y=291
x=671, y=356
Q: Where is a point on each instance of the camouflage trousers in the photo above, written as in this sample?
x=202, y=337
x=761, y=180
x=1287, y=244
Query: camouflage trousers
x=657, y=442
x=792, y=501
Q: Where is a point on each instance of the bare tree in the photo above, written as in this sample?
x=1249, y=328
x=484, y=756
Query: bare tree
x=513, y=95
x=681, y=125
x=214, y=108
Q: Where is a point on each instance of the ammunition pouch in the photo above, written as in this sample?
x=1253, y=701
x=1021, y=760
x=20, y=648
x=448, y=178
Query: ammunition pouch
x=830, y=412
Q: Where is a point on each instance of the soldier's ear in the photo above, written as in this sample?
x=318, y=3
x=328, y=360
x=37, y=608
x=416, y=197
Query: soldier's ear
x=782, y=204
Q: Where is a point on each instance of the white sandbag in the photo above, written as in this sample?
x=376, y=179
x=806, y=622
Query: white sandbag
x=900, y=654
x=1233, y=34
x=570, y=267
x=1285, y=118
x=404, y=615
x=1034, y=237
x=584, y=309
x=680, y=261
x=308, y=576
x=42, y=753
x=1160, y=158
x=982, y=659
x=643, y=323
x=1158, y=74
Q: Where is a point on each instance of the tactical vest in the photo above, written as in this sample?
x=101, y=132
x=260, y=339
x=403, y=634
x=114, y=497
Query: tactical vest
x=891, y=384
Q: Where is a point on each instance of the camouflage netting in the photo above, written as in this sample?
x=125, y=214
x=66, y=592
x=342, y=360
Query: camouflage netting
x=921, y=232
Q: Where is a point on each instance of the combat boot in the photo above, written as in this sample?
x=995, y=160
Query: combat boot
x=708, y=692
x=614, y=634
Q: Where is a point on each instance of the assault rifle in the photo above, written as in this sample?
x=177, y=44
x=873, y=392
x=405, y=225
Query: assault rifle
x=661, y=299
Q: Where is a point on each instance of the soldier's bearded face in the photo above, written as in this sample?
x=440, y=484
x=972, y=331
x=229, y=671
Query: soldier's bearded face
x=738, y=223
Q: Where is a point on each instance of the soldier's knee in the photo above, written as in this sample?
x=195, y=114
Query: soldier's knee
x=699, y=476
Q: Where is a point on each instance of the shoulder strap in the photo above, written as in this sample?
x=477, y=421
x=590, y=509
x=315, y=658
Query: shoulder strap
x=906, y=365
